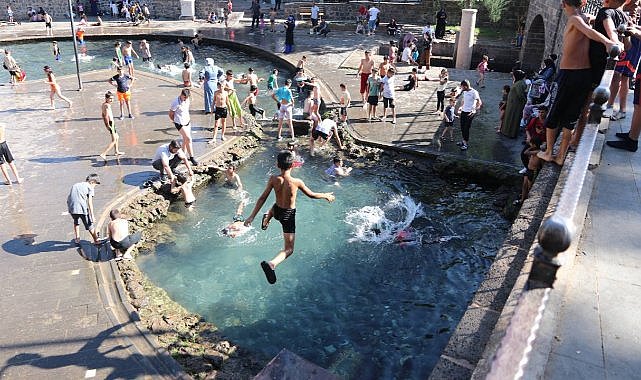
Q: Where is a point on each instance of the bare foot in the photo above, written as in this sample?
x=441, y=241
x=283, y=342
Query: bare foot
x=8, y=183
x=545, y=156
x=20, y=180
x=103, y=157
x=222, y=138
x=119, y=153
x=212, y=141
x=70, y=104
x=559, y=160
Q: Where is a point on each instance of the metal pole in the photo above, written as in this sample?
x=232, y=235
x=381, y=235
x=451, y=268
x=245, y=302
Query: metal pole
x=75, y=48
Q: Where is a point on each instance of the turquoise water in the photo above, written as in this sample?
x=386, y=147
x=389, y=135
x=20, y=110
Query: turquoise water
x=348, y=299
x=32, y=57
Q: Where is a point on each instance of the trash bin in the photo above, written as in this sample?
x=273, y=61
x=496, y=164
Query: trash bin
x=187, y=9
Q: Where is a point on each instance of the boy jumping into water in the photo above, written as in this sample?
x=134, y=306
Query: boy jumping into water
x=284, y=210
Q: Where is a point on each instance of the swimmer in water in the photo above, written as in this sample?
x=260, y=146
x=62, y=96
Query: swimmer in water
x=185, y=186
x=232, y=179
x=298, y=159
x=337, y=169
x=237, y=226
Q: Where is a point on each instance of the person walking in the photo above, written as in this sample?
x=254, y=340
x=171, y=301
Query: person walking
x=6, y=156
x=469, y=107
x=123, y=83
x=54, y=87
x=290, y=24
x=108, y=119
x=388, y=83
x=516, y=99
x=179, y=115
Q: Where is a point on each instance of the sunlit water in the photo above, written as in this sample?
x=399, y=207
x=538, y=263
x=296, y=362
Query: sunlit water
x=354, y=297
x=32, y=57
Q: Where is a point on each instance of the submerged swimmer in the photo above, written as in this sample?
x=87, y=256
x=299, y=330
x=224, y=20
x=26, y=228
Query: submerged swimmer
x=237, y=226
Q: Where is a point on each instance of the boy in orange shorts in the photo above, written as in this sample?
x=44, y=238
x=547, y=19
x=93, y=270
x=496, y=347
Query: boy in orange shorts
x=123, y=83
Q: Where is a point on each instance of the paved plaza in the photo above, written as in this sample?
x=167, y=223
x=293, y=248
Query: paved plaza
x=55, y=324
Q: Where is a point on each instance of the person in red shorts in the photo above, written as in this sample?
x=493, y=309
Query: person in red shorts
x=364, y=71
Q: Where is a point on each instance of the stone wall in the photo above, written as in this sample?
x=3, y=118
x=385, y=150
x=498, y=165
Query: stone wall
x=418, y=13
x=553, y=24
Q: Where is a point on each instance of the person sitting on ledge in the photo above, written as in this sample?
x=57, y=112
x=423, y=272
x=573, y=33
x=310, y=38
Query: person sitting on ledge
x=322, y=28
x=121, y=241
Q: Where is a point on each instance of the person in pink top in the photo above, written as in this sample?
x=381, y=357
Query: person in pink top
x=482, y=69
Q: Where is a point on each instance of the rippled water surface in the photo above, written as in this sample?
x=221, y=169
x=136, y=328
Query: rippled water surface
x=32, y=57
x=378, y=279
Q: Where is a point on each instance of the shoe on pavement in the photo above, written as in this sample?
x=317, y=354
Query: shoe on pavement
x=193, y=161
x=523, y=171
x=463, y=147
x=623, y=135
x=626, y=144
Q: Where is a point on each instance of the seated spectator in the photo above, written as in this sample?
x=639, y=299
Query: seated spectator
x=406, y=56
x=322, y=28
x=393, y=27
x=535, y=130
x=533, y=166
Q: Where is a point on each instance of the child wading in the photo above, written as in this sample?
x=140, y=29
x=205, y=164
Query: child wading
x=284, y=210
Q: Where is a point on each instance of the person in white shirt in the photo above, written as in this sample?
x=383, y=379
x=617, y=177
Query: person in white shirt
x=167, y=157
x=406, y=56
x=388, y=83
x=469, y=106
x=179, y=115
x=314, y=14
x=373, y=17
x=324, y=131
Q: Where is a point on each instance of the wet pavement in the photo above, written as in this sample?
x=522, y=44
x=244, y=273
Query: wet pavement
x=55, y=324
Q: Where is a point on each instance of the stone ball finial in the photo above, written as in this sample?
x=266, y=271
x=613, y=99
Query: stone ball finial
x=601, y=95
x=555, y=235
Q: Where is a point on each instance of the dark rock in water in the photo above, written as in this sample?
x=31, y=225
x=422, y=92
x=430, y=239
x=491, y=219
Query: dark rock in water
x=215, y=358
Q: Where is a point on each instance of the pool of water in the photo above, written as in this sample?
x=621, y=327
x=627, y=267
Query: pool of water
x=378, y=280
x=32, y=57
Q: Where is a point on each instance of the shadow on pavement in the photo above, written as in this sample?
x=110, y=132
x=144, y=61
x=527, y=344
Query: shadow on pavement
x=137, y=179
x=21, y=246
x=62, y=160
x=99, y=353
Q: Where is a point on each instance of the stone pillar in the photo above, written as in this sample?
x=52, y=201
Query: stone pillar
x=466, y=39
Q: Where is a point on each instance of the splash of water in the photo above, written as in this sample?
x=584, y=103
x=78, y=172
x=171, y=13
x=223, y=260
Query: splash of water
x=382, y=224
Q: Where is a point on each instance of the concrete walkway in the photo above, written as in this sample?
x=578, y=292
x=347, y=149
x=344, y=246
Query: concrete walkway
x=598, y=335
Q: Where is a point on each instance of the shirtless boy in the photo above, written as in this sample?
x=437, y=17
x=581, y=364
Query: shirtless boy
x=119, y=237
x=364, y=71
x=220, y=113
x=127, y=52
x=316, y=101
x=573, y=78
x=108, y=119
x=284, y=210
x=232, y=179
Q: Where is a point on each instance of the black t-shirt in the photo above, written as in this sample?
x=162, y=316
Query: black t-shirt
x=122, y=82
x=598, y=55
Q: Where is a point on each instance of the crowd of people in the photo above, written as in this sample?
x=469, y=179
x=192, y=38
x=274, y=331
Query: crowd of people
x=538, y=106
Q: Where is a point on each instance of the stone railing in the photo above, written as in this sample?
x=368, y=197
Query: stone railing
x=520, y=349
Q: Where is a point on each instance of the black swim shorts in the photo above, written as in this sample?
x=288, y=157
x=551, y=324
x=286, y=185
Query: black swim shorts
x=86, y=221
x=316, y=133
x=180, y=126
x=286, y=217
x=343, y=111
x=127, y=242
x=5, y=153
x=372, y=100
x=220, y=113
x=572, y=93
x=388, y=102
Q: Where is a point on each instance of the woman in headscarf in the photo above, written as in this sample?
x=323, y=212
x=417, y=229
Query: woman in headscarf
x=210, y=75
x=516, y=100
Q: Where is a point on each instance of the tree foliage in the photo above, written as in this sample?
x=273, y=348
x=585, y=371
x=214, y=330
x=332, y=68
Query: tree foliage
x=495, y=8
